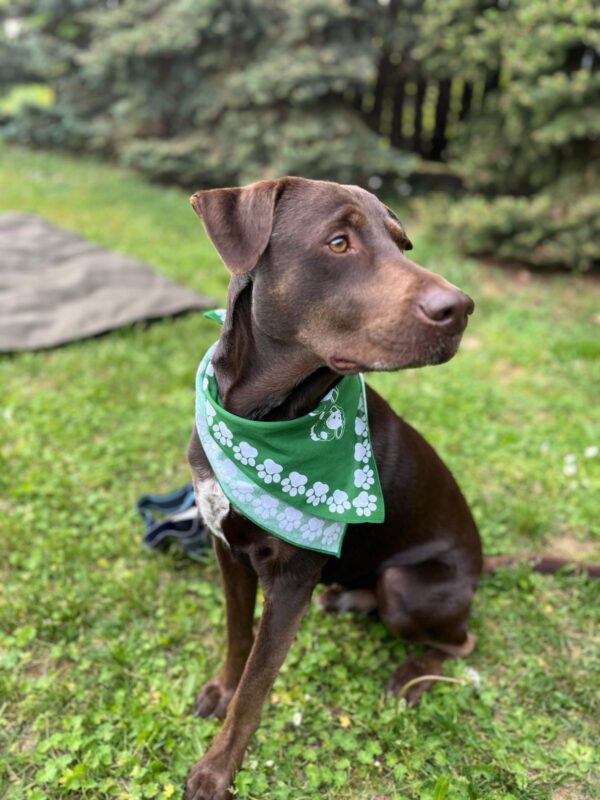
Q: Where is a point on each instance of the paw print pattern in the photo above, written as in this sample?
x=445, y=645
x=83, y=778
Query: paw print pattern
x=363, y=477
x=208, y=373
x=266, y=506
x=338, y=502
x=312, y=529
x=294, y=484
x=331, y=533
x=222, y=434
x=245, y=453
x=269, y=471
x=210, y=413
x=290, y=519
x=360, y=427
x=243, y=491
x=255, y=492
x=365, y=504
x=317, y=493
x=228, y=468
x=211, y=447
x=362, y=452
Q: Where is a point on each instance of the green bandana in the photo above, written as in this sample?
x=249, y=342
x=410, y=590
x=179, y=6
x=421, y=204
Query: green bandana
x=302, y=480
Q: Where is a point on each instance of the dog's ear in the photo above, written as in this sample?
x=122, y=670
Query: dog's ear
x=405, y=242
x=239, y=221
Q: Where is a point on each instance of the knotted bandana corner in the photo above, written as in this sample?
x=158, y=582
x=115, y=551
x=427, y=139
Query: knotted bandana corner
x=303, y=480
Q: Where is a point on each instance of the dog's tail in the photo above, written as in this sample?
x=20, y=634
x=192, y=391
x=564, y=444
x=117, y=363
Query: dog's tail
x=546, y=565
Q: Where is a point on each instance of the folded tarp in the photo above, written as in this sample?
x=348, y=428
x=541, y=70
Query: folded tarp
x=56, y=287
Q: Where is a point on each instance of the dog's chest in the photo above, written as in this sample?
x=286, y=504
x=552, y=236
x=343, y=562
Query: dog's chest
x=213, y=506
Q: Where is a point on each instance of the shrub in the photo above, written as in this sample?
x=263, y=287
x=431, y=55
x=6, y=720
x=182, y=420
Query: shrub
x=209, y=93
x=529, y=157
x=548, y=230
x=228, y=91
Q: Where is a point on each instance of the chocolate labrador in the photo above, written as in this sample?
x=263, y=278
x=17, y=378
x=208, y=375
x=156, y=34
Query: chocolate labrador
x=321, y=288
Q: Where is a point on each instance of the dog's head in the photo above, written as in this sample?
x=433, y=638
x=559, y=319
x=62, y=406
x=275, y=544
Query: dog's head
x=328, y=270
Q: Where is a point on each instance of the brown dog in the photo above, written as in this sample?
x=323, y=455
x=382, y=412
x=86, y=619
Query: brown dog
x=321, y=288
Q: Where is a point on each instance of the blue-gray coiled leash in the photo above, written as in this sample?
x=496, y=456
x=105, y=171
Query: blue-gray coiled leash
x=179, y=521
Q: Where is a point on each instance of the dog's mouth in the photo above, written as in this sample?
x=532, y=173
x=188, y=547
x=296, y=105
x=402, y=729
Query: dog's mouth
x=346, y=366
x=443, y=350
x=439, y=351
x=391, y=358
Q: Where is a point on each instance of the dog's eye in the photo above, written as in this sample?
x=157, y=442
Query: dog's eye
x=339, y=245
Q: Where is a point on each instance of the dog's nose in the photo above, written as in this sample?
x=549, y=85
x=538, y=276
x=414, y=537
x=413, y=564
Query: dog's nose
x=445, y=306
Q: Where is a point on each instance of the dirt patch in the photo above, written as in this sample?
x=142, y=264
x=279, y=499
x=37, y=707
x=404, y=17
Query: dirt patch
x=570, y=793
x=565, y=546
x=505, y=372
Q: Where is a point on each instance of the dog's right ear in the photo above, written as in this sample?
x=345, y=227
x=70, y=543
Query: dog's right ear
x=239, y=221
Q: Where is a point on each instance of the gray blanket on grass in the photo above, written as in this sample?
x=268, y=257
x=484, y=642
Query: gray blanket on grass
x=56, y=287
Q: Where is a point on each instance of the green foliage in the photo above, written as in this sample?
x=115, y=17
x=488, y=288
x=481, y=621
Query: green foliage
x=103, y=645
x=30, y=94
x=213, y=93
x=533, y=147
x=291, y=143
x=47, y=126
x=553, y=228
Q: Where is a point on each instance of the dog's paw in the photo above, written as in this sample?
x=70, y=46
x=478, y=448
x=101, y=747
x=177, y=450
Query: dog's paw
x=212, y=700
x=409, y=681
x=329, y=599
x=205, y=783
x=337, y=599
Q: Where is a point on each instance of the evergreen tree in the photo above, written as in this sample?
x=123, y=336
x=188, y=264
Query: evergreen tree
x=213, y=92
x=218, y=91
x=40, y=43
x=530, y=160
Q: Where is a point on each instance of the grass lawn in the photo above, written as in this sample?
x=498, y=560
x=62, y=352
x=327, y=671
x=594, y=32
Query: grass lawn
x=103, y=644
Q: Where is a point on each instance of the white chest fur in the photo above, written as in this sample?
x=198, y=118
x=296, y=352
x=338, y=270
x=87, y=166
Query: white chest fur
x=213, y=506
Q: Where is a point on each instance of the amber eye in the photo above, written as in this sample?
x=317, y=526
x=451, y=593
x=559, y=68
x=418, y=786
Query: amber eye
x=339, y=245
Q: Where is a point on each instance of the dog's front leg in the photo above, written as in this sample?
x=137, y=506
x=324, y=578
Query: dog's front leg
x=288, y=585
x=239, y=586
